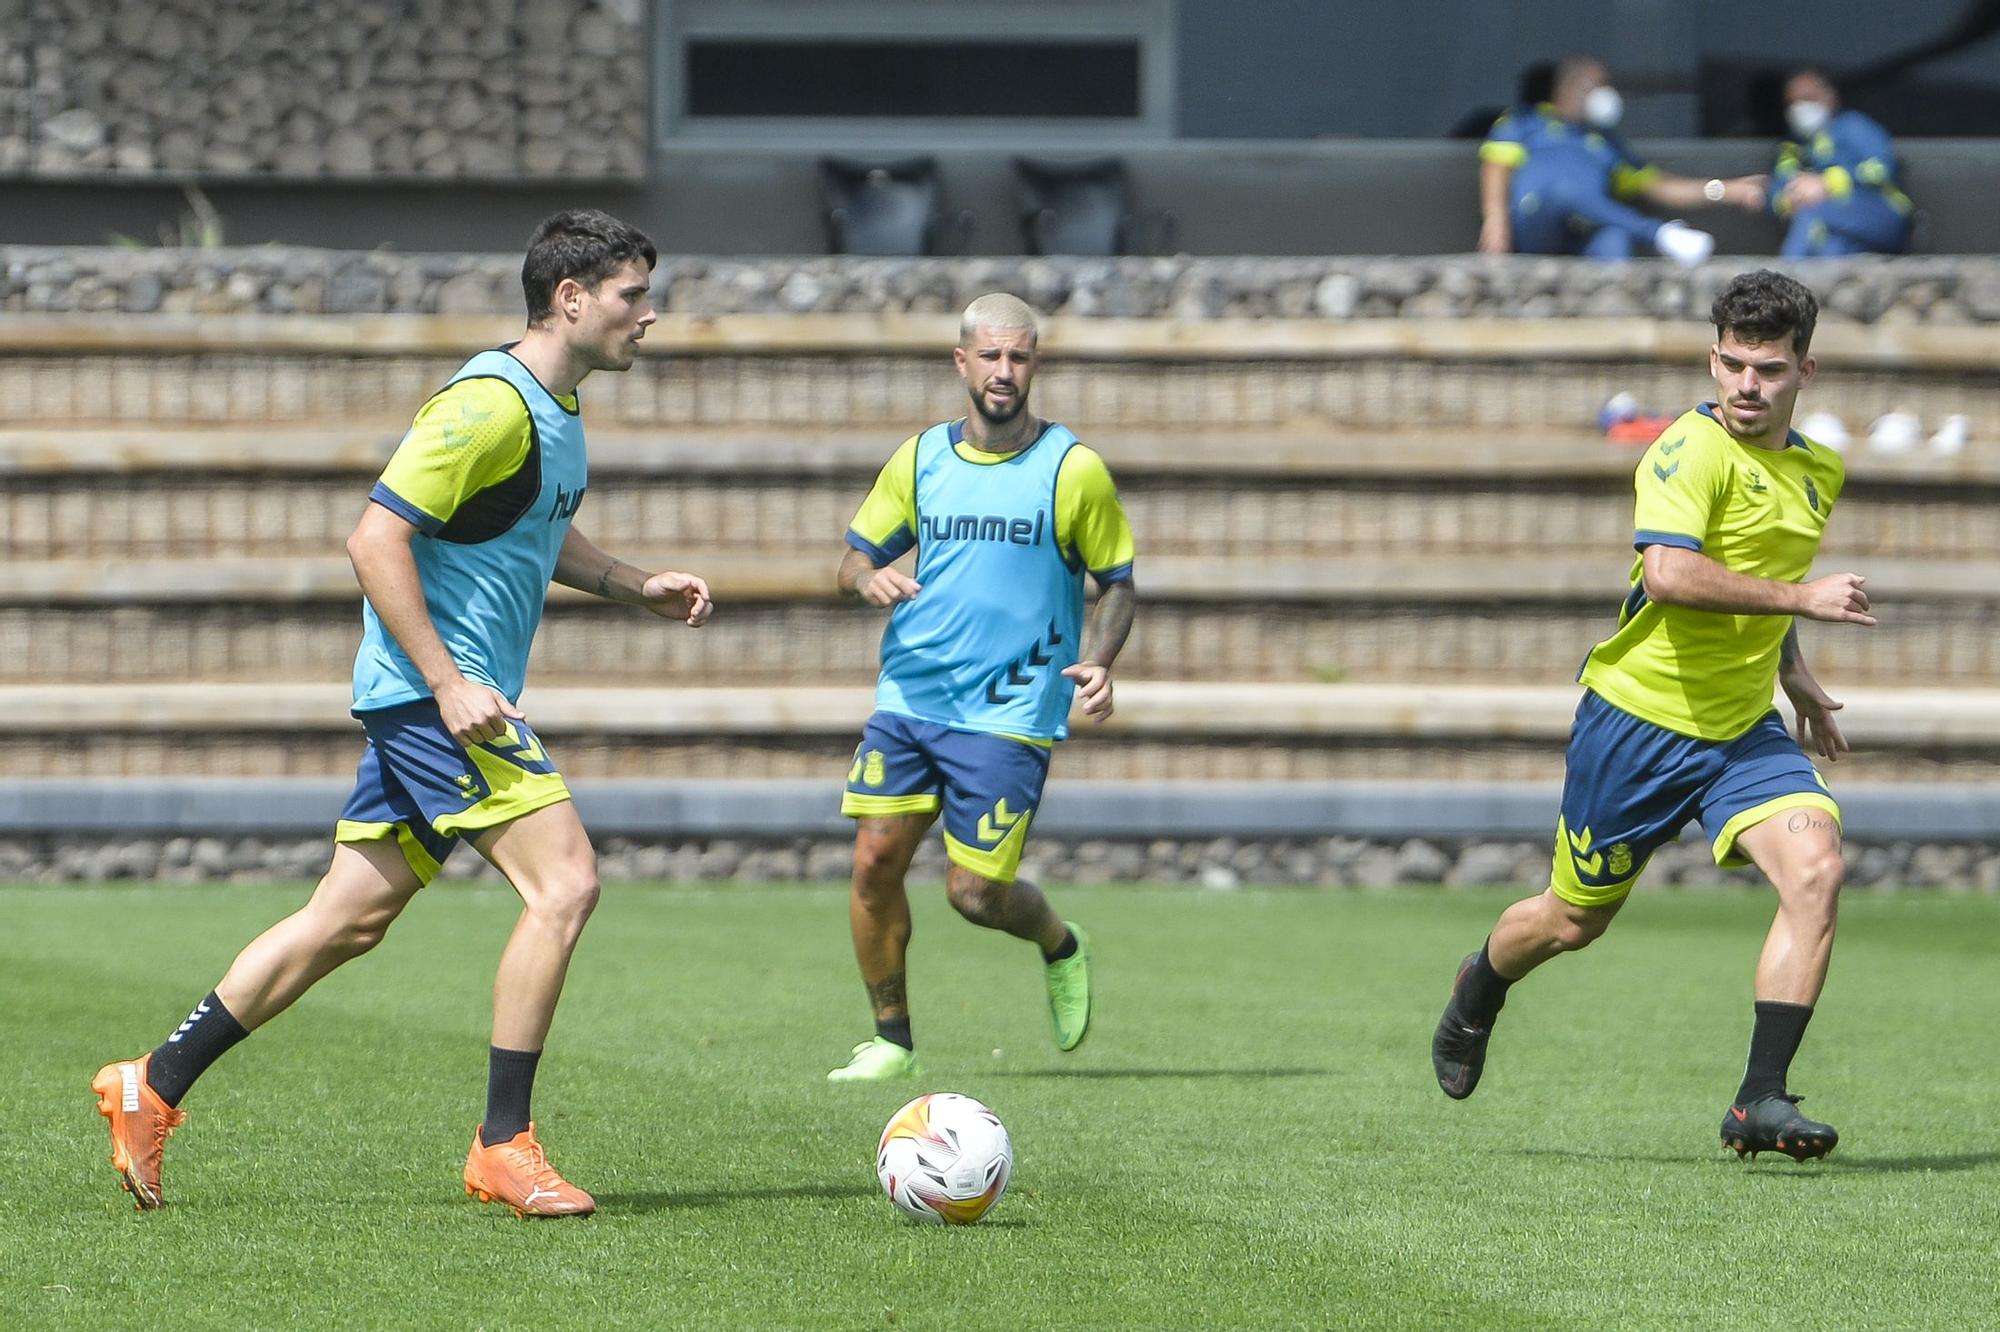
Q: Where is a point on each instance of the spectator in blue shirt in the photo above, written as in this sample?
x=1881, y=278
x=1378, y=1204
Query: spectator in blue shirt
x=1836, y=182
x=1554, y=178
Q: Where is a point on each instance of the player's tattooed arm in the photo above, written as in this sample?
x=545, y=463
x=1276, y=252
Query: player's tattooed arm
x=581, y=564
x=1788, y=651
x=672, y=596
x=1110, y=625
x=889, y=998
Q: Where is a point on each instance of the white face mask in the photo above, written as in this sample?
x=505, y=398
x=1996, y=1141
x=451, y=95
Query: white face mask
x=1807, y=118
x=1603, y=108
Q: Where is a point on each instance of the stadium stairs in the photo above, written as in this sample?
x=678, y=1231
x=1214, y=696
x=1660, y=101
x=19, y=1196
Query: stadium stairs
x=1369, y=552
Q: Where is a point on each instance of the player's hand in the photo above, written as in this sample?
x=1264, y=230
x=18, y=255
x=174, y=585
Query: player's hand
x=886, y=586
x=1748, y=192
x=1093, y=688
x=1496, y=236
x=1819, y=733
x=1837, y=599
x=475, y=713
x=1806, y=190
x=678, y=596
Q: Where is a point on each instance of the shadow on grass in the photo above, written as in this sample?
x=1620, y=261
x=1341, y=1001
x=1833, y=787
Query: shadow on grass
x=1941, y=1162
x=665, y=1200
x=1109, y=1073
x=1837, y=1163
x=1694, y=1158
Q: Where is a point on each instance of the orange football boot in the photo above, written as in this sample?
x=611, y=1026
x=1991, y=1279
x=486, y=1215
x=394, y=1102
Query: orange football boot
x=141, y=1123
x=517, y=1172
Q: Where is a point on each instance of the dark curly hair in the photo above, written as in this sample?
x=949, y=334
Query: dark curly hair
x=1764, y=307
x=579, y=243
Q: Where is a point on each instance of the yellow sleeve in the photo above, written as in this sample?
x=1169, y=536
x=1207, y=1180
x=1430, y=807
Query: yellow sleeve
x=472, y=435
x=1089, y=519
x=1630, y=179
x=885, y=526
x=1680, y=482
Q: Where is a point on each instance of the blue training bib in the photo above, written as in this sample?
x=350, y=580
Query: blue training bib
x=984, y=644
x=485, y=579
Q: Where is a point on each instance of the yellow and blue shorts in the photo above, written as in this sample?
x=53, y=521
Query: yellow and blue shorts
x=988, y=787
x=421, y=787
x=1631, y=786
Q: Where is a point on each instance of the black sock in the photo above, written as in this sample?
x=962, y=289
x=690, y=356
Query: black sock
x=896, y=1031
x=1774, y=1039
x=1483, y=991
x=207, y=1035
x=510, y=1081
x=1067, y=948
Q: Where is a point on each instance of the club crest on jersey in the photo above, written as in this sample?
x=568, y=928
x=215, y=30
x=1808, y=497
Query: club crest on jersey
x=1812, y=494
x=983, y=527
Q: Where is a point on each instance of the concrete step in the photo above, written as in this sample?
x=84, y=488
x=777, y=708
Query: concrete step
x=1151, y=708
x=1200, y=619
x=1164, y=731
x=1301, y=455
x=180, y=514
x=896, y=392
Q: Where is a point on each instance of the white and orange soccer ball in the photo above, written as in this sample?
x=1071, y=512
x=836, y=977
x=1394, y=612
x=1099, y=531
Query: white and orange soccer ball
x=945, y=1158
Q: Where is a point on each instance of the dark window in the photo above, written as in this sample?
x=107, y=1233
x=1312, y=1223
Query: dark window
x=958, y=79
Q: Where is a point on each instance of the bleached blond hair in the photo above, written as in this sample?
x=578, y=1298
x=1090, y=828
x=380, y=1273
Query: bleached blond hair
x=996, y=309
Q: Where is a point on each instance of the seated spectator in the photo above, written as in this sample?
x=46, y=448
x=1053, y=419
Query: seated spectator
x=1553, y=179
x=1837, y=183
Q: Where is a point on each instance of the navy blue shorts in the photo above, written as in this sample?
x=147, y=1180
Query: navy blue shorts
x=1631, y=786
x=423, y=788
x=987, y=785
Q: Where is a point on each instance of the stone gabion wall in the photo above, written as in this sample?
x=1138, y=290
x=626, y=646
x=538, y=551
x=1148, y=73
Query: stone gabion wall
x=1936, y=290
x=1221, y=863
x=427, y=89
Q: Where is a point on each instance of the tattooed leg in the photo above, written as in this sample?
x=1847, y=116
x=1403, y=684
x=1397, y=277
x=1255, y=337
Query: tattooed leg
x=878, y=909
x=1016, y=908
x=1799, y=851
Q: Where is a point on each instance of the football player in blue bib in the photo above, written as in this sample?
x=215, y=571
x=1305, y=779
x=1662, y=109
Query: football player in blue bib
x=468, y=525
x=983, y=651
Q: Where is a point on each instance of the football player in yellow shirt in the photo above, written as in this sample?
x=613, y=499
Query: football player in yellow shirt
x=1676, y=721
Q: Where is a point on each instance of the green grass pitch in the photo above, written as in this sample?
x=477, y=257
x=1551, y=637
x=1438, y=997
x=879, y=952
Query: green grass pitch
x=1250, y=1138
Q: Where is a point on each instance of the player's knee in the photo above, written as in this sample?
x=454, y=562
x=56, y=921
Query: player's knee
x=353, y=935
x=567, y=896
x=1815, y=884
x=878, y=864
x=1579, y=927
x=978, y=899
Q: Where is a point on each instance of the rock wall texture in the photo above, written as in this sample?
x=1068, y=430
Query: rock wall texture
x=377, y=89
x=1222, y=863
x=1925, y=290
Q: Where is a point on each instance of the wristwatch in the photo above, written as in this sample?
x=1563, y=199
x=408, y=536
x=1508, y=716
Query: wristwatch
x=1713, y=191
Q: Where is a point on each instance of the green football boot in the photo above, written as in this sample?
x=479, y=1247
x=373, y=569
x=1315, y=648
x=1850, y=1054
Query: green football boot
x=1069, y=992
x=876, y=1060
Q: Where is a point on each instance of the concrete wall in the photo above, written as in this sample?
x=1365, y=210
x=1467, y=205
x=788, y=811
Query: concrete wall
x=1306, y=68
x=1252, y=198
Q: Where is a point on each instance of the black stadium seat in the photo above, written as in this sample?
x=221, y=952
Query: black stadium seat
x=1078, y=208
x=885, y=208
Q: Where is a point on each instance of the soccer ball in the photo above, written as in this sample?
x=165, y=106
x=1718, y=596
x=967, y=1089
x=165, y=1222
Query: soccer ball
x=945, y=1158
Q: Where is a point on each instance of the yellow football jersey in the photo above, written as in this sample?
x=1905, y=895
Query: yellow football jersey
x=1753, y=510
